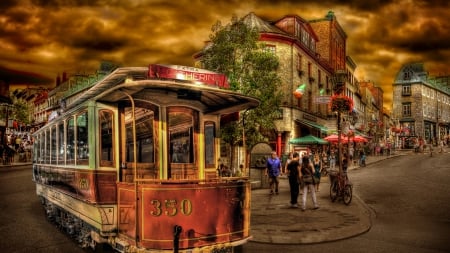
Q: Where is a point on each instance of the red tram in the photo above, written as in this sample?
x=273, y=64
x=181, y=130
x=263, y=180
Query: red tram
x=132, y=162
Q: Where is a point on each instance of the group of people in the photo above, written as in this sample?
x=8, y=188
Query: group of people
x=15, y=144
x=302, y=173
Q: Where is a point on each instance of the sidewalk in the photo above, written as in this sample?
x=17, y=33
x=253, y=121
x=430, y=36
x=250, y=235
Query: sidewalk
x=274, y=221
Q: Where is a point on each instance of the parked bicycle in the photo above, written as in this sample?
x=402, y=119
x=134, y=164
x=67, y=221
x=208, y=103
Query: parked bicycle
x=340, y=187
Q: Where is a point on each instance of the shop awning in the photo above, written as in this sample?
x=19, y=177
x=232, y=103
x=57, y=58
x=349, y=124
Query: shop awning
x=322, y=128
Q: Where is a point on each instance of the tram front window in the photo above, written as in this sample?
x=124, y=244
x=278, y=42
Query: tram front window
x=181, y=126
x=180, y=129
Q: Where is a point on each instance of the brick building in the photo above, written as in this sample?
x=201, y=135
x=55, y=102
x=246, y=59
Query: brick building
x=310, y=53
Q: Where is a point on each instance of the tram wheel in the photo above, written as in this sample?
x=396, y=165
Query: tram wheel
x=348, y=194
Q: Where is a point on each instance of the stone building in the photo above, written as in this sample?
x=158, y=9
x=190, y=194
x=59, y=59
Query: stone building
x=421, y=105
x=310, y=53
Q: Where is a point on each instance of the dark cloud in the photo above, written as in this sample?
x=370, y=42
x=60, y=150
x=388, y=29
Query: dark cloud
x=52, y=36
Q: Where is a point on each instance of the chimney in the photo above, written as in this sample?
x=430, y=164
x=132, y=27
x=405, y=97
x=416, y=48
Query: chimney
x=58, y=80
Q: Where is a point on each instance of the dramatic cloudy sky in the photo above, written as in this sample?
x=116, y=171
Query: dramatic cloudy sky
x=49, y=37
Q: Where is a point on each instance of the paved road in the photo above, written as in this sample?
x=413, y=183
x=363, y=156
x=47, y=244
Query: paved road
x=407, y=213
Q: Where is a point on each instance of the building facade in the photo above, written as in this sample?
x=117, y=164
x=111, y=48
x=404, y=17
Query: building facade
x=310, y=54
x=421, y=105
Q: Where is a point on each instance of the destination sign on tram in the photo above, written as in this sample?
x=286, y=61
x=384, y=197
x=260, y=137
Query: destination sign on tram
x=178, y=72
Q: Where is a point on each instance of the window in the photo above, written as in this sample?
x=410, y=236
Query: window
x=406, y=90
x=270, y=49
x=47, y=146
x=38, y=149
x=309, y=69
x=106, y=138
x=70, y=148
x=54, y=145
x=181, y=129
x=144, y=117
x=299, y=62
x=82, y=139
x=406, y=109
x=61, y=143
x=305, y=38
x=210, y=147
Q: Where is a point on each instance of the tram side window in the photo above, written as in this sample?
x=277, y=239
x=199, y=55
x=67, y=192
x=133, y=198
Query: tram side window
x=181, y=136
x=53, y=144
x=144, y=135
x=106, y=141
x=47, y=146
x=61, y=144
x=82, y=139
x=70, y=147
x=209, y=144
x=37, y=149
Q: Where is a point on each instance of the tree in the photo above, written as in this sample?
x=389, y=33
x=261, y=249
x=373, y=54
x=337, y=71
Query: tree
x=21, y=112
x=235, y=51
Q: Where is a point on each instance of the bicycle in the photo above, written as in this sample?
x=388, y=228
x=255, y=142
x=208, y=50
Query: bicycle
x=340, y=187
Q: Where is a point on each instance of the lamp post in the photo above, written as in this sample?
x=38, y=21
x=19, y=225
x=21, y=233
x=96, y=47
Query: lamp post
x=338, y=81
x=352, y=119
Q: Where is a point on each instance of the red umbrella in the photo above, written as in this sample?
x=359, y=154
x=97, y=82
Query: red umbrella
x=359, y=138
x=334, y=138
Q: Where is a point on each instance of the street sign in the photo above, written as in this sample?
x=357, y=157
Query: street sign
x=322, y=99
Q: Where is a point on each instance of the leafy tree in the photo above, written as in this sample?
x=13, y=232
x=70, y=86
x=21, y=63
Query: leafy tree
x=21, y=111
x=235, y=51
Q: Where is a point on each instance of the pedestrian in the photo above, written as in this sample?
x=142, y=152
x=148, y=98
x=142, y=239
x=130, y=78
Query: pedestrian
x=307, y=172
x=288, y=160
x=293, y=171
x=332, y=160
x=317, y=171
x=273, y=166
x=441, y=146
x=345, y=163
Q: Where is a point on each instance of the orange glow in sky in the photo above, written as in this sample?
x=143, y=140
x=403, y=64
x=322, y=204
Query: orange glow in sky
x=49, y=37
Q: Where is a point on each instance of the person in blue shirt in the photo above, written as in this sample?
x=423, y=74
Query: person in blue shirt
x=273, y=166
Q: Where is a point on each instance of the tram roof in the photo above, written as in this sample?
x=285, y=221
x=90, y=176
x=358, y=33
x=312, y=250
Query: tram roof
x=135, y=82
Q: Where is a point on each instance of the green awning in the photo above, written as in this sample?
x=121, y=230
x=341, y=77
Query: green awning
x=308, y=140
x=322, y=128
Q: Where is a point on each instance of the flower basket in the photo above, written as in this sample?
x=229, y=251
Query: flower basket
x=340, y=103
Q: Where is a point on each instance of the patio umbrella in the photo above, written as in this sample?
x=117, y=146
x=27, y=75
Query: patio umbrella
x=359, y=138
x=308, y=140
x=334, y=138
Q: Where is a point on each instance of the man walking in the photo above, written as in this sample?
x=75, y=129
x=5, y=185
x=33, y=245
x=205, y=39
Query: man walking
x=273, y=166
x=293, y=170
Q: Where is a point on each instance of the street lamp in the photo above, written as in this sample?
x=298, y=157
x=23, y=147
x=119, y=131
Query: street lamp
x=338, y=81
x=351, y=119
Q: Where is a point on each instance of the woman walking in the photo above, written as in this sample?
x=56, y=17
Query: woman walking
x=307, y=172
x=317, y=171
